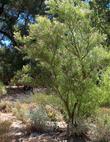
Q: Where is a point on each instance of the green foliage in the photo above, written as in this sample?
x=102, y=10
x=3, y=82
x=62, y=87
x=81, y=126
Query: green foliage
x=2, y=89
x=100, y=17
x=32, y=75
x=34, y=117
x=12, y=10
x=105, y=87
x=11, y=61
x=52, y=103
x=71, y=50
x=46, y=99
x=22, y=76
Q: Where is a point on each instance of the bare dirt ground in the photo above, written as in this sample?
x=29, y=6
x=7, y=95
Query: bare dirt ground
x=18, y=131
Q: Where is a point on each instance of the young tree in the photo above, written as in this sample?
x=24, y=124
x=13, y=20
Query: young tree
x=70, y=48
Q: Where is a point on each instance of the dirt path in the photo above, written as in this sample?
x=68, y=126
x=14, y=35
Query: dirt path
x=18, y=130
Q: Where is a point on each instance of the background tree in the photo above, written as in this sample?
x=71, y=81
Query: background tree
x=101, y=17
x=11, y=60
x=15, y=15
x=33, y=75
x=18, y=12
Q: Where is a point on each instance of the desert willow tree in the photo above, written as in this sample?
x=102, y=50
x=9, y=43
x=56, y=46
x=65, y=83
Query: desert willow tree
x=71, y=50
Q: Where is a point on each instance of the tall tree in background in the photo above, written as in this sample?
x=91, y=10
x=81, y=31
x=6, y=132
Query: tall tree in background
x=15, y=15
x=101, y=17
x=11, y=60
x=12, y=11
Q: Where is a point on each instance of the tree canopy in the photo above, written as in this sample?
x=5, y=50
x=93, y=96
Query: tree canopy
x=12, y=11
x=101, y=17
x=71, y=49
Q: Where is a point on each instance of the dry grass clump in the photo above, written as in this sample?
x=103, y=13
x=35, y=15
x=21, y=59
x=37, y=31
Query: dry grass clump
x=33, y=117
x=4, y=131
x=20, y=111
x=102, y=125
x=6, y=106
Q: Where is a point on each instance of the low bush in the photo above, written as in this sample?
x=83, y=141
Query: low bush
x=52, y=104
x=38, y=119
x=35, y=118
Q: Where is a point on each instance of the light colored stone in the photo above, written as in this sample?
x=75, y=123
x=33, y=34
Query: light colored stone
x=7, y=117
